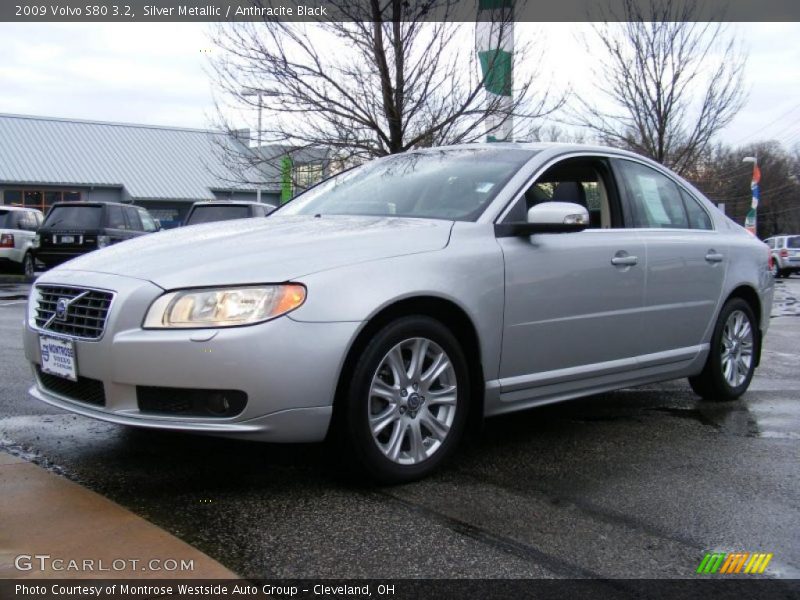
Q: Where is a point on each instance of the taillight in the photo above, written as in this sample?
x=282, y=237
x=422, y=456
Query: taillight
x=769, y=258
x=7, y=240
x=784, y=253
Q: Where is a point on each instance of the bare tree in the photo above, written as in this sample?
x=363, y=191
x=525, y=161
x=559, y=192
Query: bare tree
x=673, y=82
x=385, y=81
x=723, y=177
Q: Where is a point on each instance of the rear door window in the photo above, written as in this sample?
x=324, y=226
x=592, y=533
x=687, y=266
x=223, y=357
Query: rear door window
x=134, y=223
x=655, y=199
x=116, y=218
x=28, y=221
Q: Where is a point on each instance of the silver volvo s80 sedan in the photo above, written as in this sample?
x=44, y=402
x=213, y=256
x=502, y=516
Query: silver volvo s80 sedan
x=396, y=302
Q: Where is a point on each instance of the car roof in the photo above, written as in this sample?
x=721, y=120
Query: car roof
x=18, y=208
x=92, y=203
x=229, y=203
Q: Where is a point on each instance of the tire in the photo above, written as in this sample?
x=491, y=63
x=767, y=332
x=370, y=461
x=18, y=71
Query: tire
x=28, y=267
x=723, y=380
x=418, y=424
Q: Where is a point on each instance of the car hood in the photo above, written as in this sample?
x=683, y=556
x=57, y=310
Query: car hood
x=262, y=250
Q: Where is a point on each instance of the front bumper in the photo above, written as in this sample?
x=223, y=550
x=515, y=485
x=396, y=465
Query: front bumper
x=288, y=369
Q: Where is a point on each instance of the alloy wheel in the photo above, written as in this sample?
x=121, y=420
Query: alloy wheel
x=28, y=266
x=737, y=348
x=412, y=401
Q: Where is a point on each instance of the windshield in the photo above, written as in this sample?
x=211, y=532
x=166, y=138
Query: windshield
x=793, y=242
x=74, y=217
x=207, y=214
x=454, y=184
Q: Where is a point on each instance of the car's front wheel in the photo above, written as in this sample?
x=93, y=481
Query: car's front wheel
x=406, y=406
x=732, y=356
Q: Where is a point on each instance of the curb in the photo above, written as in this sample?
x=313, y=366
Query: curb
x=46, y=515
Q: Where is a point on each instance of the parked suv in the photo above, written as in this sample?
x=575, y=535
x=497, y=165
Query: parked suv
x=785, y=251
x=17, y=232
x=206, y=212
x=75, y=228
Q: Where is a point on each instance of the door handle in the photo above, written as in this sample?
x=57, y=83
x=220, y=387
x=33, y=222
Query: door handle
x=623, y=259
x=713, y=256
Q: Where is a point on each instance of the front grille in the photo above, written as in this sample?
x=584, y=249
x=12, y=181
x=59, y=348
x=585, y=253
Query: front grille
x=85, y=389
x=86, y=312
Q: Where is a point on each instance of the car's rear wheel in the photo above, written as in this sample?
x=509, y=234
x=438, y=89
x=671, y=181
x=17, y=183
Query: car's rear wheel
x=407, y=401
x=732, y=356
x=28, y=267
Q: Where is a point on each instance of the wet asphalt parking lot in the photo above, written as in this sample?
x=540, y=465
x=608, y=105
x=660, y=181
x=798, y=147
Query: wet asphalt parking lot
x=635, y=483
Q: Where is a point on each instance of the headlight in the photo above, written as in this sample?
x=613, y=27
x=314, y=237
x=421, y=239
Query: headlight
x=223, y=307
x=103, y=241
x=37, y=241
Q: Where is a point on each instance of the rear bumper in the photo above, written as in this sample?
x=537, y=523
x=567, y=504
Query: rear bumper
x=52, y=258
x=10, y=257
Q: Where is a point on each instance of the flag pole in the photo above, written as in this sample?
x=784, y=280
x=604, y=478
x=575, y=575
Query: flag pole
x=750, y=222
x=494, y=43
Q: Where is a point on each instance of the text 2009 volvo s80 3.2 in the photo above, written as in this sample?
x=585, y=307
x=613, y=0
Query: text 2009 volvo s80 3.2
x=396, y=302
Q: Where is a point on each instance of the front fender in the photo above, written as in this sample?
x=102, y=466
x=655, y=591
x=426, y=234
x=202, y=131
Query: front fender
x=468, y=272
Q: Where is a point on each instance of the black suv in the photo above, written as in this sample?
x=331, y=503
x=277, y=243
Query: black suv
x=74, y=228
x=225, y=210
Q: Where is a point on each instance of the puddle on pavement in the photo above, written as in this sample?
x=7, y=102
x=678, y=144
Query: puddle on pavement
x=785, y=303
x=767, y=419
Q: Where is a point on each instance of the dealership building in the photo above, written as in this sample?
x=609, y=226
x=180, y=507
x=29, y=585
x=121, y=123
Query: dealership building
x=45, y=160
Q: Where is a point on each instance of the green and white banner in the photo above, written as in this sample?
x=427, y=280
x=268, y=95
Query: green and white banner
x=494, y=42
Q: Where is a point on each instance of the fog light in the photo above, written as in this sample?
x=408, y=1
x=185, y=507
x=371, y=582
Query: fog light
x=218, y=404
x=190, y=402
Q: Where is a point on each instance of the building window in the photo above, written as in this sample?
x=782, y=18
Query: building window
x=13, y=197
x=33, y=199
x=41, y=199
x=307, y=175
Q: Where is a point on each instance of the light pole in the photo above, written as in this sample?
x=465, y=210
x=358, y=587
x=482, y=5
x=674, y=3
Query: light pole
x=755, y=187
x=249, y=93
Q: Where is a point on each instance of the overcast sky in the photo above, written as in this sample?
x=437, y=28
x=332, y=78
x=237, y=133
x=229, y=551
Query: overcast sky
x=158, y=73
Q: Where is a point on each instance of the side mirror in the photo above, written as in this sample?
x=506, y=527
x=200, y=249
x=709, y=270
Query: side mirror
x=548, y=217
x=158, y=224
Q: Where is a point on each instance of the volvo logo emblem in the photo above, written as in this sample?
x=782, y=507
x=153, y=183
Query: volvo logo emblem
x=414, y=401
x=61, y=309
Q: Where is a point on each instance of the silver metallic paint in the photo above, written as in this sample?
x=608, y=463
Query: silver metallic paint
x=555, y=318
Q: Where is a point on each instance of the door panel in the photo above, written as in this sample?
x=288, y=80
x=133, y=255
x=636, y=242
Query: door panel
x=686, y=261
x=685, y=273
x=567, y=305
